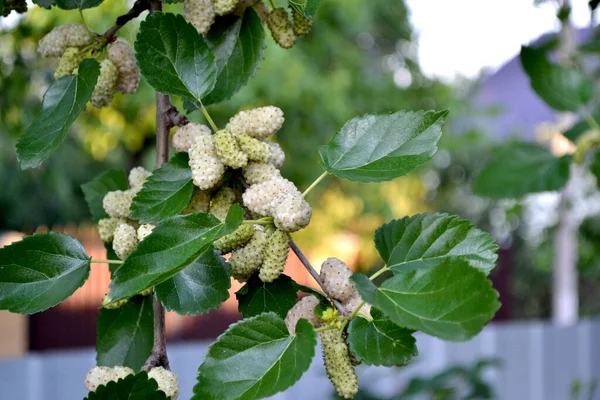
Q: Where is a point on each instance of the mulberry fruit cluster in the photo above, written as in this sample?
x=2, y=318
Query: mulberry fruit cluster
x=244, y=149
x=59, y=39
x=284, y=32
x=338, y=363
x=118, y=228
x=166, y=380
x=100, y=376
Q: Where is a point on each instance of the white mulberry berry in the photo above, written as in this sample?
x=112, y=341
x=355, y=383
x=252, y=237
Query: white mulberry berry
x=184, y=136
x=144, y=230
x=68, y=62
x=259, y=122
x=262, y=10
x=137, y=177
x=200, y=13
x=277, y=154
x=352, y=304
x=223, y=7
x=207, y=168
x=98, y=376
x=199, y=202
x=338, y=363
x=106, y=85
x=247, y=260
x=125, y=240
x=261, y=197
x=301, y=23
x=291, y=212
x=122, y=55
x=254, y=149
x=228, y=149
x=279, y=24
x=256, y=172
x=276, y=253
x=335, y=275
x=304, y=308
x=117, y=203
x=107, y=226
x=234, y=240
x=222, y=202
x=58, y=39
x=106, y=303
x=167, y=381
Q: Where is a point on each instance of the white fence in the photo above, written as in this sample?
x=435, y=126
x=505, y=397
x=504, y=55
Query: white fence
x=539, y=362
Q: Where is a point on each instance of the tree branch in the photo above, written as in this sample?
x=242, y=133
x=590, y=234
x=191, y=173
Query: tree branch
x=138, y=7
x=314, y=274
x=158, y=357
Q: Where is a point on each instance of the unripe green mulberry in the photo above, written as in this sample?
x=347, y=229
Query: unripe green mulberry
x=113, y=306
x=338, y=363
x=352, y=304
x=98, y=376
x=234, y=240
x=301, y=23
x=276, y=253
x=259, y=123
x=199, y=202
x=279, y=24
x=167, y=381
x=68, y=62
x=228, y=149
x=144, y=230
x=200, y=13
x=106, y=85
x=254, y=148
x=107, y=227
x=222, y=202
x=207, y=168
x=277, y=154
x=256, y=172
x=117, y=203
x=261, y=197
x=335, y=275
x=137, y=177
x=247, y=260
x=125, y=240
x=184, y=136
x=223, y=7
x=291, y=212
x=147, y=292
x=122, y=55
x=304, y=308
x=55, y=43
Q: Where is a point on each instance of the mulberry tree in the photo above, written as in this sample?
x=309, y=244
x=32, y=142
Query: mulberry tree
x=219, y=208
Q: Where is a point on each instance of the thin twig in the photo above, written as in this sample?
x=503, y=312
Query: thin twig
x=314, y=274
x=138, y=7
x=158, y=357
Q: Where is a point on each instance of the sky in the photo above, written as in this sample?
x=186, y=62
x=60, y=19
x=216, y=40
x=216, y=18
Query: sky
x=460, y=37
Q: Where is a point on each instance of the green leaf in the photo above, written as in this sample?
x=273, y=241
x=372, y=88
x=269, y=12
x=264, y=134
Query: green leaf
x=202, y=286
x=257, y=297
x=126, y=335
x=133, y=387
x=562, y=88
x=174, y=58
x=166, y=193
x=255, y=358
x=427, y=239
x=595, y=167
x=238, y=44
x=451, y=300
x=82, y=4
x=172, y=246
x=580, y=128
x=45, y=3
x=41, y=271
x=311, y=7
x=380, y=341
x=95, y=190
x=518, y=169
x=64, y=100
x=375, y=148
